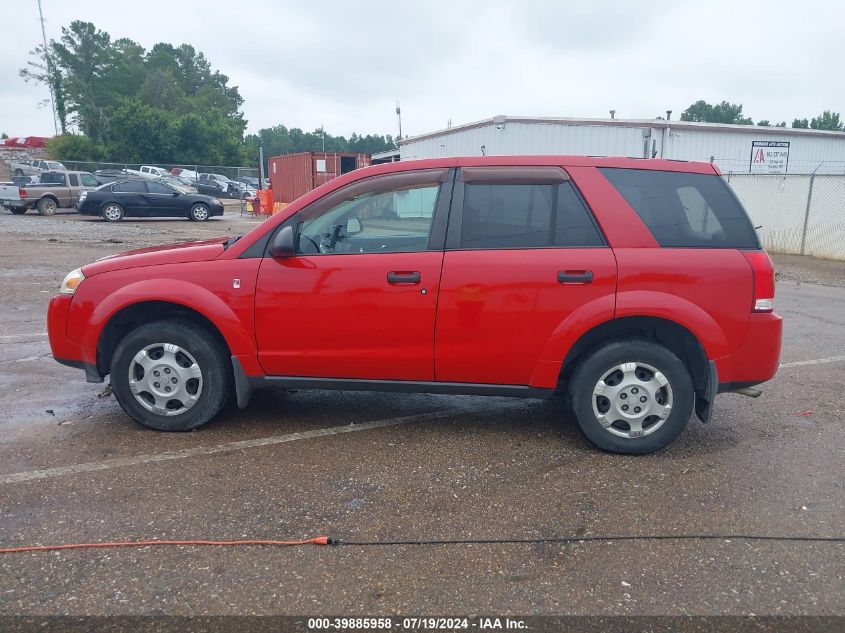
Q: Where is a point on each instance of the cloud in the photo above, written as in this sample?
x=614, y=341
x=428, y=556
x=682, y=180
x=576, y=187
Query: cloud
x=345, y=64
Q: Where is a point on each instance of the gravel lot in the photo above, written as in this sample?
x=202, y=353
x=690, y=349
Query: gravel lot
x=414, y=467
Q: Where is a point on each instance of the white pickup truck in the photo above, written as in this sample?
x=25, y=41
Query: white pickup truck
x=54, y=190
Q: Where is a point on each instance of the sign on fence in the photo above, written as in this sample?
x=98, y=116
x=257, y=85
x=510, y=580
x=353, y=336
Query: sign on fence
x=769, y=157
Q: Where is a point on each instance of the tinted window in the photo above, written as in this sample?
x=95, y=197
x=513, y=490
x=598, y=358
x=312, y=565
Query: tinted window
x=157, y=187
x=74, y=181
x=88, y=180
x=391, y=215
x=48, y=178
x=525, y=216
x=130, y=186
x=685, y=210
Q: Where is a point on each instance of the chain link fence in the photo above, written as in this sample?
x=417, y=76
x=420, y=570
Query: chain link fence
x=796, y=214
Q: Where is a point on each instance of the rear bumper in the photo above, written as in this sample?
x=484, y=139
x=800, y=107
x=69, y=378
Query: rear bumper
x=757, y=359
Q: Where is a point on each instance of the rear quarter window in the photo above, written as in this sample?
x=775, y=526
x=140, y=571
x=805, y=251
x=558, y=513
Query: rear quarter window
x=684, y=210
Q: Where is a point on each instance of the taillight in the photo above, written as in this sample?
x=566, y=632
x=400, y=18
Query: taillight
x=764, y=280
x=22, y=193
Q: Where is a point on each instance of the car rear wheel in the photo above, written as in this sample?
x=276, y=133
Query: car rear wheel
x=112, y=212
x=170, y=376
x=19, y=172
x=632, y=397
x=46, y=206
x=200, y=213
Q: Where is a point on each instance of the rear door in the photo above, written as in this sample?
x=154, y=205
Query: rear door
x=523, y=253
x=358, y=300
x=131, y=196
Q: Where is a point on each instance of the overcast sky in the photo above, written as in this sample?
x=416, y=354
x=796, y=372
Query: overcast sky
x=346, y=63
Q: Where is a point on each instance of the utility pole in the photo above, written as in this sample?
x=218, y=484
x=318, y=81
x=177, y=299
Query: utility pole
x=49, y=60
x=399, y=116
x=261, y=167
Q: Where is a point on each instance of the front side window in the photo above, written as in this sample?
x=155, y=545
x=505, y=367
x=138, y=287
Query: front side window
x=525, y=216
x=88, y=180
x=157, y=187
x=385, y=214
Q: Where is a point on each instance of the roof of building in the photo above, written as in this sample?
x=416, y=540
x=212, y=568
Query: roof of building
x=639, y=123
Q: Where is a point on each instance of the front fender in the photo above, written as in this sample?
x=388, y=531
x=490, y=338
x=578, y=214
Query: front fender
x=184, y=293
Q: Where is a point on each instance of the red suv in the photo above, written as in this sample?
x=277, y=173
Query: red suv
x=637, y=288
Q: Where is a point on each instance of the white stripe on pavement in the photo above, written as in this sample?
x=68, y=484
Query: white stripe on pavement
x=817, y=361
x=135, y=460
x=6, y=336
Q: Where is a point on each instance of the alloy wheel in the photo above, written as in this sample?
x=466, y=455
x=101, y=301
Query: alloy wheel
x=165, y=379
x=632, y=400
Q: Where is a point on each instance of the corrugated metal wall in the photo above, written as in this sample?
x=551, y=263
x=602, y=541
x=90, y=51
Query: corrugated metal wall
x=294, y=175
x=731, y=150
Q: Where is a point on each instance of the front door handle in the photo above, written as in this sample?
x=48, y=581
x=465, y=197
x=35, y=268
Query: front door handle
x=403, y=277
x=575, y=276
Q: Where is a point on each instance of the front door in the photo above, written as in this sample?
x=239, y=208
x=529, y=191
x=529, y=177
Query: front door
x=522, y=255
x=358, y=299
x=161, y=200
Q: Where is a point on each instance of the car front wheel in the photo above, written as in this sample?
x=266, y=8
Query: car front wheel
x=200, y=213
x=112, y=212
x=170, y=376
x=632, y=397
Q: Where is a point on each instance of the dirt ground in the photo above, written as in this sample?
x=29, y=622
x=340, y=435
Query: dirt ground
x=368, y=466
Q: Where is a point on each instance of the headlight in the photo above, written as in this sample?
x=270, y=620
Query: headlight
x=72, y=281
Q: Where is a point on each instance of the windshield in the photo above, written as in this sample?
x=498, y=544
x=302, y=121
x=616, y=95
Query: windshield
x=52, y=164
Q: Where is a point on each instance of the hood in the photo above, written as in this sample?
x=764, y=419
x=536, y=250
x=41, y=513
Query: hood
x=182, y=252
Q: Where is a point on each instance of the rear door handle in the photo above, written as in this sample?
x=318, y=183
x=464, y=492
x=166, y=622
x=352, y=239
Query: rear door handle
x=575, y=276
x=403, y=277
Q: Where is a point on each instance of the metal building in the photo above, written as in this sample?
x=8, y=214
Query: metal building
x=734, y=148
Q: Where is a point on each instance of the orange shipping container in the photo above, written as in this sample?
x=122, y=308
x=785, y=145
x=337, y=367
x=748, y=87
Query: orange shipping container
x=294, y=175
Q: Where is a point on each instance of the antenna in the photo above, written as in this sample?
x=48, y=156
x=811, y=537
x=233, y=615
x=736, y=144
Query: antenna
x=49, y=60
x=398, y=116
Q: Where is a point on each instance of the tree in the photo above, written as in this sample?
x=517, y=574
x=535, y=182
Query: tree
x=800, y=123
x=827, y=120
x=764, y=123
x=4, y=135
x=781, y=124
x=723, y=112
x=75, y=147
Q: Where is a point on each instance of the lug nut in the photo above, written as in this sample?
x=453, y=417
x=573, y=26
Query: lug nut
x=624, y=396
x=643, y=398
x=156, y=385
x=166, y=371
x=624, y=407
x=636, y=409
x=174, y=381
x=167, y=389
x=635, y=390
x=155, y=373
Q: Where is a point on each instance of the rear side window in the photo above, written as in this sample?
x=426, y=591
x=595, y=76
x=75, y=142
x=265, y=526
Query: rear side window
x=130, y=186
x=525, y=216
x=685, y=210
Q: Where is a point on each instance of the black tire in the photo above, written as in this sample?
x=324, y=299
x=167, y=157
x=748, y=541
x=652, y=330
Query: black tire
x=18, y=210
x=200, y=212
x=211, y=357
x=594, y=367
x=112, y=212
x=47, y=206
x=19, y=172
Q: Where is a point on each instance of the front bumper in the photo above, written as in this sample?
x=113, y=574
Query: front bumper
x=64, y=350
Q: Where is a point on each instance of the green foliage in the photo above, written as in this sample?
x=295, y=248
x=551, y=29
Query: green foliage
x=764, y=123
x=800, y=123
x=781, y=124
x=75, y=147
x=723, y=112
x=827, y=120
x=280, y=140
x=162, y=105
x=4, y=135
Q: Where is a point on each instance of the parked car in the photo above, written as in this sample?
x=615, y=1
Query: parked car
x=231, y=189
x=112, y=175
x=34, y=167
x=153, y=172
x=210, y=188
x=147, y=198
x=54, y=190
x=637, y=288
x=182, y=184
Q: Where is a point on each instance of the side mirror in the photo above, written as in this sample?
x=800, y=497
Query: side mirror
x=353, y=226
x=282, y=244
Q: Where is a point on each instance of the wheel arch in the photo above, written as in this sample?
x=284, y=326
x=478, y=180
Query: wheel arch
x=671, y=334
